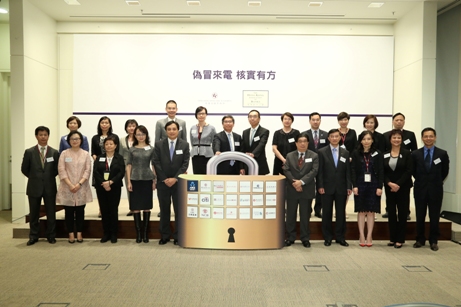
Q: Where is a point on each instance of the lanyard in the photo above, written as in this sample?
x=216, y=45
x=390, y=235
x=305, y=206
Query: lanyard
x=343, y=137
x=367, y=161
x=39, y=151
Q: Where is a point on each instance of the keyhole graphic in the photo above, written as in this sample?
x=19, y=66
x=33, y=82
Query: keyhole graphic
x=231, y=232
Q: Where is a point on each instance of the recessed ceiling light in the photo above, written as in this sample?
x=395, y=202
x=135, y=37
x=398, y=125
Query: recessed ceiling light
x=132, y=2
x=3, y=11
x=254, y=3
x=376, y=5
x=193, y=3
x=315, y=4
x=72, y=2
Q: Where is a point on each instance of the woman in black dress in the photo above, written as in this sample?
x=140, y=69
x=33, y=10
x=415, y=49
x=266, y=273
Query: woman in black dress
x=370, y=123
x=283, y=142
x=141, y=180
x=348, y=136
x=108, y=172
x=367, y=179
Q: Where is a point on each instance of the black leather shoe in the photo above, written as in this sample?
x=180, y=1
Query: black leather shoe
x=113, y=239
x=32, y=242
x=129, y=214
x=418, y=244
x=288, y=242
x=342, y=242
x=327, y=243
x=319, y=215
x=434, y=247
x=385, y=215
x=391, y=244
x=408, y=217
x=175, y=242
x=104, y=239
x=51, y=240
x=306, y=244
x=163, y=241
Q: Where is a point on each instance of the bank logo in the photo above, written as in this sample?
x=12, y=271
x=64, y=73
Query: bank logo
x=192, y=185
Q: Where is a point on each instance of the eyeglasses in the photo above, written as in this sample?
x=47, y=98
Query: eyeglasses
x=201, y=113
x=140, y=134
x=75, y=139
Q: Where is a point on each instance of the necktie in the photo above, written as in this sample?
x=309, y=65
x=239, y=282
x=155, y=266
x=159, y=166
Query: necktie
x=171, y=151
x=252, y=136
x=42, y=156
x=316, y=139
x=427, y=160
x=231, y=147
x=335, y=156
x=301, y=160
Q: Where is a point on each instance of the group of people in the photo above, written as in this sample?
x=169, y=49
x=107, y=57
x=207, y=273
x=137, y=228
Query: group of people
x=325, y=166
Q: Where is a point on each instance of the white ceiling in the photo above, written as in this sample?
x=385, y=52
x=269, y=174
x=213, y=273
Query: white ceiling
x=285, y=11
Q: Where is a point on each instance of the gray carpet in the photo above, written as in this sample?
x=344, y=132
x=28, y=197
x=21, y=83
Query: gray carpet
x=130, y=274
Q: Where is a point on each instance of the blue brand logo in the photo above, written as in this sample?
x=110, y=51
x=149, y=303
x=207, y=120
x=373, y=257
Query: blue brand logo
x=192, y=185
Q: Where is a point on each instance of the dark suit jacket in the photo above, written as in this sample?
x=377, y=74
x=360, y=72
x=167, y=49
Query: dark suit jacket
x=430, y=182
x=166, y=168
x=42, y=181
x=96, y=149
x=358, y=161
x=221, y=144
x=306, y=173
x=379, y=142
x=402, y=173
x=334, y=179
x=408, y=140
x=116, y=171
x=350, y=141
x=323, y=135
x=257, y=148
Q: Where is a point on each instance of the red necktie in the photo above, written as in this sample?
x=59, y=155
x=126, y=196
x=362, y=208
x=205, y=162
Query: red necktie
x=301, y=160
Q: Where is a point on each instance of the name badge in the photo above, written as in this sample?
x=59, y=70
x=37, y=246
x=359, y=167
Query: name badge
x=342, y=159
x=68, y=159
x=106, y=175
x=322, y=141
x=102, y=159
x=51, y=159
x=237, y=143
x=180, y=128
x=406, y=142
x=179, y=152
x=343, y=146
x=374, y=154
x=256, y=139
x=193, y=131
x=291, y=140
x=147, y=148
x=367, y=177
x=388, y=155
x=437, y=161
x=308, y=160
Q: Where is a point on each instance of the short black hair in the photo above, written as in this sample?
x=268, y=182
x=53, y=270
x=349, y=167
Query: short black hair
x=129, y=122
x=200, y=109
x=42, y=128
x=79, y=122
x=397, y=114
x=313, y=114
x=111, y=138
x=343, y=115
x=334, y=130
x=227, y=116
x=259, y=115
x=69, y=136
x=302, y=135
x=171, y=122
x=288, y=114
x=428, y=129
x=368, y=117
x=395, y=131
x=171, y=101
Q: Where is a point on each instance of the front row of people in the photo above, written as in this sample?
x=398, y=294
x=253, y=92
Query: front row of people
x=364, y=173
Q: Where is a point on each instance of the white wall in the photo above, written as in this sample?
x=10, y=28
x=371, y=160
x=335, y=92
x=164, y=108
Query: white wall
x=33, y=88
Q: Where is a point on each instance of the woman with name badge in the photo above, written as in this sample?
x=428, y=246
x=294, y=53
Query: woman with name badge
x=74, y=191
x=141, y=180
x=125, y=145
x=367, y=179
x=348, y=136
x=108, y=172
x=370, y=123
x=398, y=166
x=73, y=124
x=201, y=137
x=283, y=142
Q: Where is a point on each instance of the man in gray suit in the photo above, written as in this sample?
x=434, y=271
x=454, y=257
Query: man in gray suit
x=171, y=109
x=301, y=167
x=334, y=184
x=40, y=166
x=171, y=159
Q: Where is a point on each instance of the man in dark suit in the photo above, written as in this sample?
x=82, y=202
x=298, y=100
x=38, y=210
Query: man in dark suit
x=227, y=140
x=254, y=143
x=317, y=139
x=171, y=109
x=334, y=184
x=408, y=142
x=171, y=159
x=40, y=166
x=301, y=167
x=431, y=166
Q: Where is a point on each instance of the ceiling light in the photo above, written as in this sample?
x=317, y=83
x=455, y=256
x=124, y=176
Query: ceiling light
x=132, y=2
x=72, y=2
x=254, y=3
x=3, y=11
x=193, y=3
x=315, y=4
x=376, y=5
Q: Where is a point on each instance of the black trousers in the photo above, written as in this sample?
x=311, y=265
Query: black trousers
x=422, y=205
x=397, y=204
x=76, y=213
x=34, y=215
x=304, y=216
x=199, y=164
x=109, y=202
x=327, y=216
x=165, y=196
x=318, y=203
